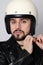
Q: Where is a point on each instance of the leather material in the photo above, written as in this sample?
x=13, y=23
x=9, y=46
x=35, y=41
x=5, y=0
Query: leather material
x=12, y=54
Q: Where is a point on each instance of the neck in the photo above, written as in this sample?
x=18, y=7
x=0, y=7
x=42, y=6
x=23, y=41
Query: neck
x=21, y=44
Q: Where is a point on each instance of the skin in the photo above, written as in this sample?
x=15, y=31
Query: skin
x=20, y=27
x=39, y=41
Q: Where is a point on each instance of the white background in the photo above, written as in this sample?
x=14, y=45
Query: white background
x=3, y=3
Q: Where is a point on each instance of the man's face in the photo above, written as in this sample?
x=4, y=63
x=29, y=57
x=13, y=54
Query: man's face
x=20, y=27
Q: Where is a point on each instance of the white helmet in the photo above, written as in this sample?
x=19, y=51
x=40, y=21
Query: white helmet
x=21, y=8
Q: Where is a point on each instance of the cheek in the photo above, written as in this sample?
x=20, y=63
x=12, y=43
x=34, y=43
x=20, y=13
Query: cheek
x=12, y=28
x=26, y=29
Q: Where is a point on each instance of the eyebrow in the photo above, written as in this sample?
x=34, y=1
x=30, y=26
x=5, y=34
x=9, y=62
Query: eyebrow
x=24, y=18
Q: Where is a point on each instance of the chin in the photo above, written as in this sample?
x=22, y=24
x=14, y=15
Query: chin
x=20, y=39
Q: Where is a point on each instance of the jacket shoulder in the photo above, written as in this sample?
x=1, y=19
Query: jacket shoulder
x=5, y=43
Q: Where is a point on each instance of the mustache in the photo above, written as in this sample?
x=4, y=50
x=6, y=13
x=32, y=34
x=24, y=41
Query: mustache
x=18, y=30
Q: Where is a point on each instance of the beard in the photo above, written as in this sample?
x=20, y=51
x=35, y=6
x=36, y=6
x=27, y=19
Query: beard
x=17, y=36
x=20, y=39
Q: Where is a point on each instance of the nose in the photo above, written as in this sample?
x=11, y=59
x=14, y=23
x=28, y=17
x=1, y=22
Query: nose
x=18, y=26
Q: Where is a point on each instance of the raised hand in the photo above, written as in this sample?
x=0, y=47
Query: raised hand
x=28, y=44
x=39, y=41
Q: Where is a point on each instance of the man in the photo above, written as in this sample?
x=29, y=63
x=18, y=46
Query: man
x=22, y=48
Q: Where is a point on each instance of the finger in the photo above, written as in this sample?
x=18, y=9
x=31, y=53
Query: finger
x=38, y=39
x=29, y=37
x=34, y=39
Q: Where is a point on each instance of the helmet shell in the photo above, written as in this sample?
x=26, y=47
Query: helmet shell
x=21, y=8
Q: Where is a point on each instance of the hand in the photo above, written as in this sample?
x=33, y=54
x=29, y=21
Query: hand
x=39, y=41
x=28, y=44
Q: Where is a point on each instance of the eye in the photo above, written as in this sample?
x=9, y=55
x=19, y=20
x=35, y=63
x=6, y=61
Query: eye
x=24, y=21
x=12, y=21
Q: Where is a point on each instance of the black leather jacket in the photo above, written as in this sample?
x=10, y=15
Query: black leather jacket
x=12, y=54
